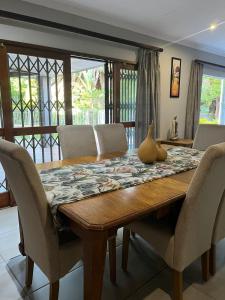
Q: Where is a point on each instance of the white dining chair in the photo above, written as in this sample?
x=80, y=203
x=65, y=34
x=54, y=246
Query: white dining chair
x=180, y=244
x=54, y=253
x=207, y=135
x=111, y=138
x=77, y=140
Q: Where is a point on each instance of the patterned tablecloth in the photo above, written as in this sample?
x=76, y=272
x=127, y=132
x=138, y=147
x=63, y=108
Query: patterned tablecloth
x=76, y=182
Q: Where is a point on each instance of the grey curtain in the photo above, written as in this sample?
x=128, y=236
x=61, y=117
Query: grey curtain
x=193, y=100
x=148, y=93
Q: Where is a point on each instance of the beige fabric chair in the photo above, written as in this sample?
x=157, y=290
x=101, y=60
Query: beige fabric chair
x=207, y=135
x=111, y=138
x=42, y=242
x=190, y=238
x=77, y=140
x=218, y=233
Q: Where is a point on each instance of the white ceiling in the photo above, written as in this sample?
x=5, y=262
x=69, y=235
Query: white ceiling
x=172, y=20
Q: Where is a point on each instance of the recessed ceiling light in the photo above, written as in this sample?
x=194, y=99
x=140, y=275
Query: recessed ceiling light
x=213, y=27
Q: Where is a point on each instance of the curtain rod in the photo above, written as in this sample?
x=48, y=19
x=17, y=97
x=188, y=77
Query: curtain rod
x=60, y=26
x=209, y=63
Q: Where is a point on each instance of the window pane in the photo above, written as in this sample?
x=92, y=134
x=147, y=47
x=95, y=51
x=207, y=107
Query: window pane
x=210, y=100
x=41, y=147
x=37, y=91
x=88, y=92
x=128, y=90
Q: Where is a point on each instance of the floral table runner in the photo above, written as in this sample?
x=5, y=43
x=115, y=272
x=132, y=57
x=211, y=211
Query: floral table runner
x=76, y=182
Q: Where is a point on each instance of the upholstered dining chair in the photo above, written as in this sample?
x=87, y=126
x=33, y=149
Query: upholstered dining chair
x=77, y=140
x=111, y=138
x=218, y=234
x=43, y=244
x=179, y=243
x=207, y=135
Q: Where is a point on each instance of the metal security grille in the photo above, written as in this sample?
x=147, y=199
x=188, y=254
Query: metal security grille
x=41, y=147
x=109, y=92
x=37, y=96
x=3, y=184
x=128, y=89
x=37, y=91
x=130, y=132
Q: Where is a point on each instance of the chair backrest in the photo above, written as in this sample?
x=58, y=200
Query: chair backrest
x=207, y=135
x=40, y=236
x=111, y=138
x=77, y=140
x=194, y=229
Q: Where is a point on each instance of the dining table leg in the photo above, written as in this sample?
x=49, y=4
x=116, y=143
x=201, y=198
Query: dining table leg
x=94, y=253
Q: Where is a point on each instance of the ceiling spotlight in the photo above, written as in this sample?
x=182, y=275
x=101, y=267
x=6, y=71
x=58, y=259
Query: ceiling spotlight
x=213, y=27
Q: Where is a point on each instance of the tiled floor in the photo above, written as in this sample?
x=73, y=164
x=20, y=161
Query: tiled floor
x=148, y=277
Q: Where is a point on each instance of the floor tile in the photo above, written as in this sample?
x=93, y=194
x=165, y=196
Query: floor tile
x=194, y=294
x=8, y=219
x=147, y=278
x=8, y=286
x=189, y=294
x=143, y=265
x=17, y=267
x=158, y=295
x=215, y=287
x=71, y=287
x=9, y=244
x=161, y=281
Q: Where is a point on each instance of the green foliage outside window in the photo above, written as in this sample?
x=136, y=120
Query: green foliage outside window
x=88, y=90
x=210, y=100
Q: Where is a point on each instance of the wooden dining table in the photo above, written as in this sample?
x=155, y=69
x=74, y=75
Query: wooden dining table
x=98, y=218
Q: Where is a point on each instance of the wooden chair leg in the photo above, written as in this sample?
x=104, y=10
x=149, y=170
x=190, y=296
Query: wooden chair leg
x=205, y=266
x=126, y=240
x=112, y=259
x=212, y=260
x=54, y=291
x=29, y=271
x=177, y=285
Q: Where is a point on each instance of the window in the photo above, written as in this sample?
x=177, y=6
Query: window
x=104, y=92
x=212, y=108
x=42, y=88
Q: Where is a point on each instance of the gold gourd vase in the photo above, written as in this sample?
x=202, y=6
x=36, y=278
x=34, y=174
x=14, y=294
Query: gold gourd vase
x=147, y=151
x=161, y=152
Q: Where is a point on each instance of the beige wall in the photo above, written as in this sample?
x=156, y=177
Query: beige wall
x=170, y=107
